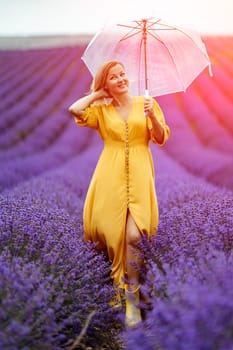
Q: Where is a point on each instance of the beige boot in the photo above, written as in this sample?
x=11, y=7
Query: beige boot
x=132, y=312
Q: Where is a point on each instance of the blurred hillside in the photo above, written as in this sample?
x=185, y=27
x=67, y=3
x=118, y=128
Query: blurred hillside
x=28, y=42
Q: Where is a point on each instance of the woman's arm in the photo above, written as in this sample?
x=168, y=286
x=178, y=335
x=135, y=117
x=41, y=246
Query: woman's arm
x=80, y=105
x=157, y=128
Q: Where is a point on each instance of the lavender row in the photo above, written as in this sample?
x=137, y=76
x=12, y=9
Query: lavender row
x=13, y=66
x=25, y=76
x=49, y=113
x=223, y=76
x=207, y=129
x=185, y=147
x=29, y=64
x=57, y=131
x=50, y=148
x=220, y=105
x=24, y=168
x=33, y=93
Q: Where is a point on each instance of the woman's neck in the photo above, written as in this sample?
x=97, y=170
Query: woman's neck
x=121, y=100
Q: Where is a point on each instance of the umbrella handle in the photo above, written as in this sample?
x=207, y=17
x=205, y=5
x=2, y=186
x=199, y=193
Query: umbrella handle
x=146, y=95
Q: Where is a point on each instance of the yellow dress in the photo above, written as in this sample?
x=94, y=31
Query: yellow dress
x=123, y=179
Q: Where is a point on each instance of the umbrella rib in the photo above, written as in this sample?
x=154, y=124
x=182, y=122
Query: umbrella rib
x=155, y=36
x=128, y=35
x=127, y=26
x=187, y=35
x=150, y=24
x=174, y=63
x=181, y=31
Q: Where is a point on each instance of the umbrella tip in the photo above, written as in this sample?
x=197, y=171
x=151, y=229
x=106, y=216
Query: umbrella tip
x=210, y=70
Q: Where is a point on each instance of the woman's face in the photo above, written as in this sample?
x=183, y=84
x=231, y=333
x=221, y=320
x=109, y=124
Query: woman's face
x=117, y=82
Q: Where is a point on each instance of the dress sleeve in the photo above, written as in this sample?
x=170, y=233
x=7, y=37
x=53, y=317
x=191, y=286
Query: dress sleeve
x=89, y=117
x=160, y=117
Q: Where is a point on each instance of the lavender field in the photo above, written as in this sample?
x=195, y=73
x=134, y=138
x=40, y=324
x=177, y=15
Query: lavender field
x=54, y=289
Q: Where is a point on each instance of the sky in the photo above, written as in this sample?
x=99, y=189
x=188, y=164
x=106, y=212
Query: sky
x=49, y=17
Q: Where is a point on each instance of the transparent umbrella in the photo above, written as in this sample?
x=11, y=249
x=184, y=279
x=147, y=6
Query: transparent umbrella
x=159, y=58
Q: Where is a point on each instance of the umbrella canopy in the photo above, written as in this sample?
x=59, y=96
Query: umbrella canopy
x=157, y=57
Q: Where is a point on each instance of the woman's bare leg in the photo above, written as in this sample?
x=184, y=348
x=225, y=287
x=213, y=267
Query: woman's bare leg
x=132, y=293
x=133, y=237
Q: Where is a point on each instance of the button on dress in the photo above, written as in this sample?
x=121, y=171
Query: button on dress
x=123, y=179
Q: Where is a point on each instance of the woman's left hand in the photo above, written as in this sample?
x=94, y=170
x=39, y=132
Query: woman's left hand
x=148, y=106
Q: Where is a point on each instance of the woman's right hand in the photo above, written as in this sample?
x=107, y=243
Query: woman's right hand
x=102, y=93
x=80, y=105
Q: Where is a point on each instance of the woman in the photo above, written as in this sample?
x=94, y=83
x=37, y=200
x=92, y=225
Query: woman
x=121, y=203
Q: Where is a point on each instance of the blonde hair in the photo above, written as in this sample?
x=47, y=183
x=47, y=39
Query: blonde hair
x=101, y=74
